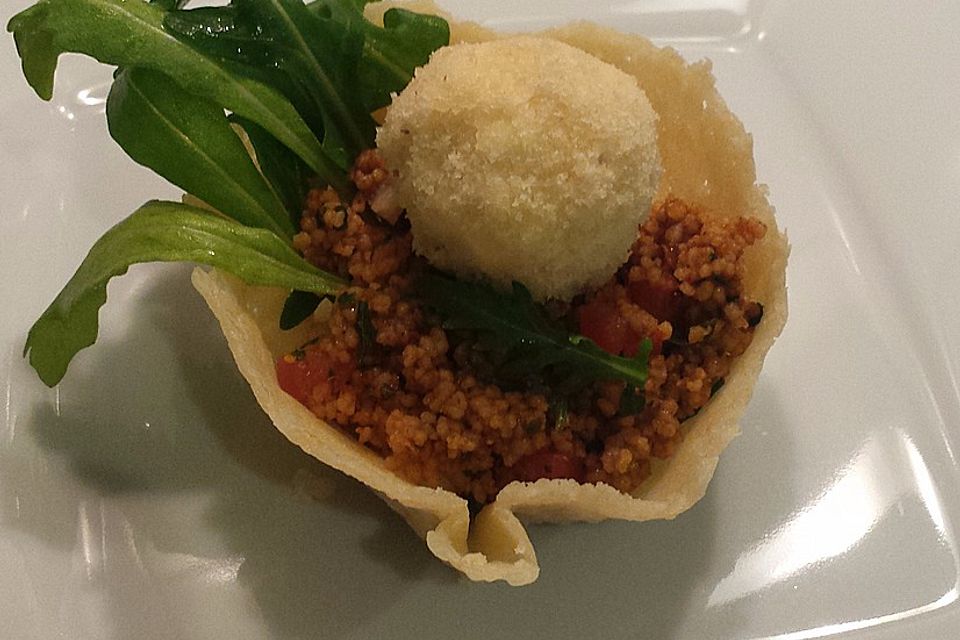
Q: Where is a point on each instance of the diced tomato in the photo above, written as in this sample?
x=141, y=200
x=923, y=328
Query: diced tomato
x=662, y=301
x=600, y=320
x=657, y=344
x=548, y=464
x=295, y=377
x=298, y=374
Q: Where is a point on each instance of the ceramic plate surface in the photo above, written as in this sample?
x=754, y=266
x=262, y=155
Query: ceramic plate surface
x=148, y=497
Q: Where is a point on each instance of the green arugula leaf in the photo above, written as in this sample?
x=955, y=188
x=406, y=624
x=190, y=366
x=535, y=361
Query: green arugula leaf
x=130, y=33
x=391, y=53
x=534, y=344
x=224, y=34
x=298, y=306
x=286, y=172
x=316, y=55
x=300, y=81
x=161, y=232
x=189, y=141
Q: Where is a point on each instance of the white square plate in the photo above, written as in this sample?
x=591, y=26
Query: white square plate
x=148, y=497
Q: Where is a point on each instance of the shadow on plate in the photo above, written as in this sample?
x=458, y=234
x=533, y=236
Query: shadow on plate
x=622, y=580
x=155, y=468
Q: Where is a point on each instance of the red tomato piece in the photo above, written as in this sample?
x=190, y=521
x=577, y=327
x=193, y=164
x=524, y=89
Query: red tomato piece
x=295, y=377
x=661, y=300
x=548, y=464
x=657, y=344
x=298, y=376
x=601, y=321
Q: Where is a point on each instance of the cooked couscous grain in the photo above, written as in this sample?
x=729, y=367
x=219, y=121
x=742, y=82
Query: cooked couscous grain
x=428, y=401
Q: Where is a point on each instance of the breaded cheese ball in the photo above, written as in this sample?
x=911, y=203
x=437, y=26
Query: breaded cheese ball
x=523, y=159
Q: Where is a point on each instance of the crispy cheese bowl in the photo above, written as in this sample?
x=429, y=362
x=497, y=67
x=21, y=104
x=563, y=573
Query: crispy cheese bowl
x=707, y=162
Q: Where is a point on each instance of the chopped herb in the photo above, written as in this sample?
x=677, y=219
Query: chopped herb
x=300, y=352
x=366, y=351
x=632, y=401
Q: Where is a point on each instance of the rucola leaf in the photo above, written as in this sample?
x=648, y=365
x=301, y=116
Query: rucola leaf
x=130, y=33
x=532, y=343
x=189, y=141
x=393, y=53
x=298, y=306
x=317, y=58
x=295, y=78
x=161, y=232
x=390, y=53
x=281, y=167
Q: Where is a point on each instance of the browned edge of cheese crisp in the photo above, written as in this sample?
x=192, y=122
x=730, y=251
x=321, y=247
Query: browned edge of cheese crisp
x=707, y=160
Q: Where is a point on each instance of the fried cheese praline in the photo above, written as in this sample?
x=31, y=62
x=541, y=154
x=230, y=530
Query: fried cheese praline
x=523, y=159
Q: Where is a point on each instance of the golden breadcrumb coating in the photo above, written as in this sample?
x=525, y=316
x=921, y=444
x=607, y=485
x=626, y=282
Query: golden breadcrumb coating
x=523, y=159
